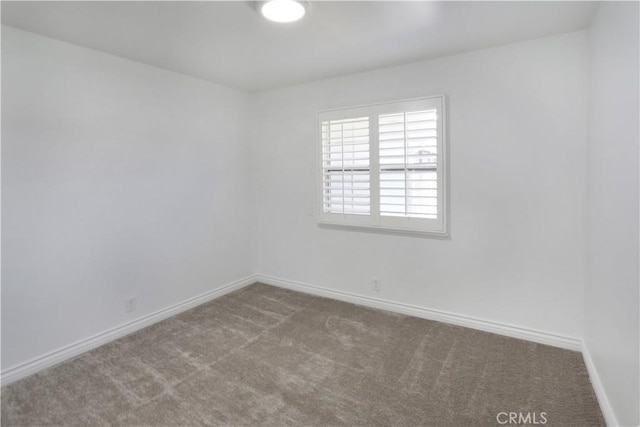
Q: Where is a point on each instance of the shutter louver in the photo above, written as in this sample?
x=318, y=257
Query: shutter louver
x=345, y=166
x=408, y=155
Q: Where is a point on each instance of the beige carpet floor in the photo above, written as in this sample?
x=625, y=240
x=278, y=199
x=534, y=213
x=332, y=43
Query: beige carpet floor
x=269, y=356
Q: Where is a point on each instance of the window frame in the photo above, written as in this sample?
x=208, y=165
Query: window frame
x=374, y=221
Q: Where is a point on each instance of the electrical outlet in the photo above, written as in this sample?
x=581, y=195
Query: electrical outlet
x=130, y=304
x=375, y=284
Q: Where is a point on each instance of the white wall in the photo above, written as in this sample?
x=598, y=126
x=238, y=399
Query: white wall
x=121, y=179
x=612, y=319
x=517, y=128
x=118, y=179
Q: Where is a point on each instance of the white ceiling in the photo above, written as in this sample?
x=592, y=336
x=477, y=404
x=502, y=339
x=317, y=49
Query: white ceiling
x=227, y=42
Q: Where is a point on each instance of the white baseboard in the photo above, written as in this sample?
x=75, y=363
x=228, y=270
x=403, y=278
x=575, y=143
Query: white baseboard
x=32, y=366
x=541, y=337
x=605, y=406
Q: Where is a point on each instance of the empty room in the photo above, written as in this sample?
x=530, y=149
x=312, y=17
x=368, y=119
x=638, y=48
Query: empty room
x=324, y=213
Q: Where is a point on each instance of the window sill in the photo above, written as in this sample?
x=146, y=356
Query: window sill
x=442, y=235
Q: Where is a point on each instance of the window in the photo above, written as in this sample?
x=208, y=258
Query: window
x=383, y=166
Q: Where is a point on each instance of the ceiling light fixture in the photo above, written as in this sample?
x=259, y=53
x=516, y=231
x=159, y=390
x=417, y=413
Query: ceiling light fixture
x=282, y=10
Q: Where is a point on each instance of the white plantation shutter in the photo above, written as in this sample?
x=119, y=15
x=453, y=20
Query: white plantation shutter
x=383, y=166
x=345, y=164
x=408, y=147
